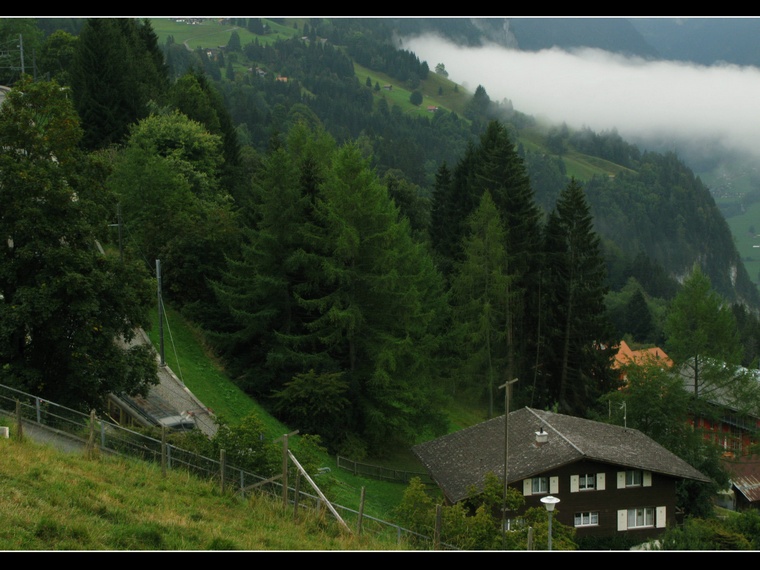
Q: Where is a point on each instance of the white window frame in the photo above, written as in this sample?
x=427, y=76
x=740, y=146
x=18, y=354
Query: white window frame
x=575, y=482
x=641, y=517
x=539, y=486
x=587, y=482
x=623, y=477
x=552, y=486
x=586, y=518
x=658, y=518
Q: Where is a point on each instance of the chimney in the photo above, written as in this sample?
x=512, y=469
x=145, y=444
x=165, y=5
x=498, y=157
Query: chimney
x=541, y=436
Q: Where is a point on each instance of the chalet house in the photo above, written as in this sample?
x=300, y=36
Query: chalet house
x=733, y=427
x=626, y=356
x=609, y=479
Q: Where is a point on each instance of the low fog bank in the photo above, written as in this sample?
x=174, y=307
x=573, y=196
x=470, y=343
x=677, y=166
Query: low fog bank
x=678, y=104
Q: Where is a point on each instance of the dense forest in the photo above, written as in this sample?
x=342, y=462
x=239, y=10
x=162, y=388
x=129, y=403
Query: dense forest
x=353, y=264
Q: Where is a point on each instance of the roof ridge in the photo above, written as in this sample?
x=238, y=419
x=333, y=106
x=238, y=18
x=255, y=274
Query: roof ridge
x=563, y=436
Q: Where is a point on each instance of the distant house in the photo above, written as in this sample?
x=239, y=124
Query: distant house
x=388, y=87
x=432, y=108
x=733, y=425
x=745, y=482
x=626, y=356
x=609, y=479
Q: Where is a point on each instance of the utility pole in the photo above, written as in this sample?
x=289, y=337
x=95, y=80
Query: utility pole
x=507, y=388
x=118, y=220
x=21, y=49
x=160, y=315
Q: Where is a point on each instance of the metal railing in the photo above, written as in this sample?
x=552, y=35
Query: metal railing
x=110, y=437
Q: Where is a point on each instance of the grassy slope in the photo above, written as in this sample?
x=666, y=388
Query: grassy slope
x=51, y=500
x=186, y=355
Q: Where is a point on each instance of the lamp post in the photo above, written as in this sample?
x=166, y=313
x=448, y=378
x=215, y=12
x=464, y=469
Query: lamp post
x=549, y=502
x=506, y=387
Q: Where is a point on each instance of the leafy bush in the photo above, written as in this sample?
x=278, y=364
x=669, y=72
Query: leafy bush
x=247, y=447
x=475, y=524
x=704, y=534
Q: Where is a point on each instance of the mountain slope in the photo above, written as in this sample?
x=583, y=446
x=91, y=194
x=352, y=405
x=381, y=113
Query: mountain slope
x=706, y=41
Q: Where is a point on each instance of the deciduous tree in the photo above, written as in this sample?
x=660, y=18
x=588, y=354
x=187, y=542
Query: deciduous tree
x=66, y=309
x=702, y=336
x=480, y=299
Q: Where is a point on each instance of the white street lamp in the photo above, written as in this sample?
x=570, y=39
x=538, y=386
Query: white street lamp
x=549, y=502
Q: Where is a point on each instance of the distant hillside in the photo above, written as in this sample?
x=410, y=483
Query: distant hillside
x=532, y=34
x=703, y=40
x=616, y=35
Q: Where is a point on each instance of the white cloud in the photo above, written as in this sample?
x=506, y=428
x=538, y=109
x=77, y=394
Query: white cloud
x=602, y=91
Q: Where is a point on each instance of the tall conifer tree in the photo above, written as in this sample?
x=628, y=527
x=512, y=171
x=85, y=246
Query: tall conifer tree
x=480, y=300
x=115, y=73
x=579, y=336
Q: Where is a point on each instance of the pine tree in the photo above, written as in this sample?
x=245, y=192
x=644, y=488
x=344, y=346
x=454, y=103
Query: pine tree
x=117, y=69
x=579, y=335
x=502, y=172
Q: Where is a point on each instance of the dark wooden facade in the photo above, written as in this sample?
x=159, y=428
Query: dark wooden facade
x=608, y=503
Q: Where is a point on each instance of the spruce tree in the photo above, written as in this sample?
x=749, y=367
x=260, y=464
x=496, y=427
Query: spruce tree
x=579, y=336
x=501, y=171
x=117, y=70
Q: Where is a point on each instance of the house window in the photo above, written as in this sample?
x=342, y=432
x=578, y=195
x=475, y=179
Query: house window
x=587, y=482
x=633, y=478
x=641, y=517
x=540, y=485
x=587, y=519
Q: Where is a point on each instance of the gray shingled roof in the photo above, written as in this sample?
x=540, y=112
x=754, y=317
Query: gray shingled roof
x=460, y=460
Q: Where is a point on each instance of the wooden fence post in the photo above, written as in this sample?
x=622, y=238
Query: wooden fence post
x=163, y=451
x=285, y=471
x=19, y=423
x=437, y=531
x=91, y=437
x=222, y=464
x=361, y=513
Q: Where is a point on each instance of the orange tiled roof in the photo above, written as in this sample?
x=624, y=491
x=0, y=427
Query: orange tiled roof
x=626, y=356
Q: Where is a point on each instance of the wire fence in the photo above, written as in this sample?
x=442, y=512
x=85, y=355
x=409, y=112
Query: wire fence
x=92, y=432
x=380, y=472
